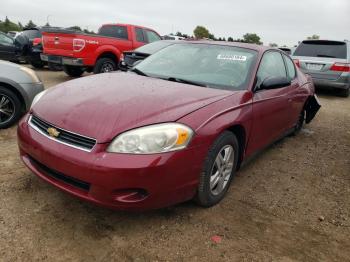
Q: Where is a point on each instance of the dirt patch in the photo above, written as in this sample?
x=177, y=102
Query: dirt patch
x=290, y=203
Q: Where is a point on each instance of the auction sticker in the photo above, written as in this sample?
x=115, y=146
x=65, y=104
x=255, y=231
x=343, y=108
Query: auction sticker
x=232, y=57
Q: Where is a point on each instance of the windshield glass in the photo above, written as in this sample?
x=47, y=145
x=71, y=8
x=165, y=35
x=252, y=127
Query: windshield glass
x=153, y=47
x=216, y=66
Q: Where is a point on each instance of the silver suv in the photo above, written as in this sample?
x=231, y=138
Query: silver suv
x=328, y=63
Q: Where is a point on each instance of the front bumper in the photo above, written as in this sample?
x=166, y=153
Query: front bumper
x=62, y=60
x=118, y=181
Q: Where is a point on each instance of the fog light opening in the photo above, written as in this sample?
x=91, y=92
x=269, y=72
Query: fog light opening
x=130, y=195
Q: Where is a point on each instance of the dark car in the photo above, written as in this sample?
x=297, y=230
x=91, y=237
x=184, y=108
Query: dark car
x=10, y=49
x=177, y=127
x=33, y=46
x=131, y=57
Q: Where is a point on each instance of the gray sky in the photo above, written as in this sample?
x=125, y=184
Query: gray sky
x=275, y=21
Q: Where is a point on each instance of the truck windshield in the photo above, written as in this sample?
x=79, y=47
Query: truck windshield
x=319, y=48
x=216, y=66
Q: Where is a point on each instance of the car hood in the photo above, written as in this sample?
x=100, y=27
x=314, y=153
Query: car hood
x=103, y=106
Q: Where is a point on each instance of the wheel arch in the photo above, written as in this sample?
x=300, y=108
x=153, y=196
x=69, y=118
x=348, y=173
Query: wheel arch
x=240, y=133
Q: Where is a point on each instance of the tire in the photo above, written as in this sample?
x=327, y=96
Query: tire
x=300, y=123
x=73, y=71
x=37, y=64
x=10, y=108
x=209, y=193
x=105, y=65
x=344, y=92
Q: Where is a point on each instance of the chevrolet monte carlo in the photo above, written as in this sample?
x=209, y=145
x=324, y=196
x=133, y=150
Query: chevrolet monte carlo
x=175, y=128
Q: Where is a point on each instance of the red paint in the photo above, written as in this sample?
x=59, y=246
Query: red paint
x=66, y=44
x=103, y=106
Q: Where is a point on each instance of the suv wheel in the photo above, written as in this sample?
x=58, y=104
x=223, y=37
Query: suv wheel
x=105, y=65
x=73, y=71
x=10, y=108
x=344, y=92
x=219, y=169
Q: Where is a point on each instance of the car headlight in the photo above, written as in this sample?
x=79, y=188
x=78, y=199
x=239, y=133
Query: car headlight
x=153, y=139
x=29, y=72
x=38, y=97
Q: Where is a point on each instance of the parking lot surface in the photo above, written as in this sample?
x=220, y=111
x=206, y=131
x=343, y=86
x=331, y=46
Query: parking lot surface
x=291, y=203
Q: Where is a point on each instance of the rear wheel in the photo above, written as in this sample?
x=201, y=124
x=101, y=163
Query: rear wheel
x=344, y=92
x=73, y=71
x=37, y=64
x=219, y=169
x=10, y=108
x=105, y=65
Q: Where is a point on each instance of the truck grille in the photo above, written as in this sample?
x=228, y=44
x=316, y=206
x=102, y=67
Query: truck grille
x=61, y=177
x=61, y=135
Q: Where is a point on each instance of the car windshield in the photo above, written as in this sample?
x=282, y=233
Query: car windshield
x=216, y=66
x=319, y=48
x=153, y=47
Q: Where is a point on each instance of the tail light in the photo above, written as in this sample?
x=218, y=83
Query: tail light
x=78, y=45
x=297, y=62
x=36, y=41
x=341, y=67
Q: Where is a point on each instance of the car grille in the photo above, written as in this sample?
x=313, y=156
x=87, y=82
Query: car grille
x=65, y=137
x=61, y=177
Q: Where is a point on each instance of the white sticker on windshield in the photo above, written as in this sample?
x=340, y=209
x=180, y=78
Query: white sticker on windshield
x=232, y=57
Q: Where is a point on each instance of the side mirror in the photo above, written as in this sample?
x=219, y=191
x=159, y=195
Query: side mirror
x=275, y=82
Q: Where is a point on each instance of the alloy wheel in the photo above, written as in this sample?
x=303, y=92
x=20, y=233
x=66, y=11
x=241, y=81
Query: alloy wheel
x=107, y=67
x=7, y=109
x=222, y=170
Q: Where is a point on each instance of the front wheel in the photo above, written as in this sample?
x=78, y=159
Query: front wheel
x=10, y=108
x=218, y=171
x=73, y=71
x=105, y=65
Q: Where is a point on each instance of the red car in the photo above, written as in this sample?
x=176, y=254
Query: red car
x=79, y=52
x=177, y=127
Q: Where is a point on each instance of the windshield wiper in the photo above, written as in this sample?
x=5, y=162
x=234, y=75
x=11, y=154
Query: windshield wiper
x=138, y=71
x=184, y=81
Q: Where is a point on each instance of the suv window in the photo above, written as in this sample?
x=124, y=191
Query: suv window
x=290, y=67
x=152, y=36
x=319, y=48
x=139, y=35
x=114, y=31
x=5, y=40
x=271, y=65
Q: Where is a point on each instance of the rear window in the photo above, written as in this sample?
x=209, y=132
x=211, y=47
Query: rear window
x=332, y=49
x=114, y=31
x=31, y=34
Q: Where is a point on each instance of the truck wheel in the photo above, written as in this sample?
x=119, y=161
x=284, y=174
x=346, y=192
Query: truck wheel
x=344, y=92
x=105, y=65
x=73, y=71
x=10, y=108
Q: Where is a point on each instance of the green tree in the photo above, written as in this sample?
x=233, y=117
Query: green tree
x=20, y=26
x=273, y=45
x=7, y=25
x=30, y=24
x=252, y=38
x=230, y=39
x=75, y=28
x=212, y=36
x=201, y=32
x=313, y=37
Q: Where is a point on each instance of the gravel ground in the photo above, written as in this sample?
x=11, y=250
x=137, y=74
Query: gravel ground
x=291, y=203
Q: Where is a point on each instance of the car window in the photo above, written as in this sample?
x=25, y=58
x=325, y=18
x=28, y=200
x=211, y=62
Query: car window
x=271, y=65
x=5, y=40
x=139, y=35
x=152, y=36
x=290, y=67
x=31, y=34
x=114, y=31
x=319, y=48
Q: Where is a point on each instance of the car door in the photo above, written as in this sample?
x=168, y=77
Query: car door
x=271, y=108
x=7, y=48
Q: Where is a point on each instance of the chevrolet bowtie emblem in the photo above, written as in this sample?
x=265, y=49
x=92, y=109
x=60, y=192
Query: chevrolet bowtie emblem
x=53, y=132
